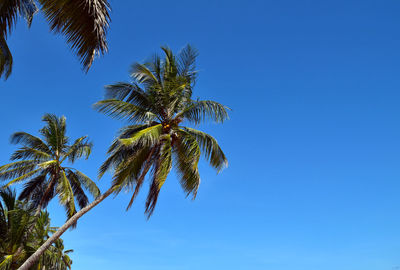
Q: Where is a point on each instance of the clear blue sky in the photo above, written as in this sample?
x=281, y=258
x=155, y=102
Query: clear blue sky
x=313, y=142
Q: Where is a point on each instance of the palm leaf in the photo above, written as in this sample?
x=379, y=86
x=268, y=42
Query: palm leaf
x=211, y=149
x=6, y=59
x=203, y=110
x=187, y=154
x=29, y=141
x=31, y=173
x=120, y=109
x=87, y=183
x=83, y=22
x=66, y=194
x=81, y=147
x=146, y=137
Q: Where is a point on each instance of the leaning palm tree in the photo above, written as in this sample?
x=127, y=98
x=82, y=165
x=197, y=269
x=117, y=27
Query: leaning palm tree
x=39, y=164
x=84, y=23
x=157, y=103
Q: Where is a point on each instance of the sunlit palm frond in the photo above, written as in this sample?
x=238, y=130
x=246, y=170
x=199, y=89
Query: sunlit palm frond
x=31, y=154
x=24, y=176
x=145, y=137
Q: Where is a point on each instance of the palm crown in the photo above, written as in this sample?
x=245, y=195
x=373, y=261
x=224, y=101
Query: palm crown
x=157, y=102
x=40, y=164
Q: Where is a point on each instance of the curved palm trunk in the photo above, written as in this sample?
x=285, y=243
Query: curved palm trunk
x=35, y=256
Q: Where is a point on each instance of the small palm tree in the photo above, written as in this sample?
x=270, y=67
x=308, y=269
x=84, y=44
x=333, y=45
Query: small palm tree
x=16, y=219
x=40, y=165
x=83, y=22
x=158, y=101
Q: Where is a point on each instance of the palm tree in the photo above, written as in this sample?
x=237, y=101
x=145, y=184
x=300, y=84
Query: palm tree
x=39, y=163
x=16, y=218
x=158, y=101
x=84, y=23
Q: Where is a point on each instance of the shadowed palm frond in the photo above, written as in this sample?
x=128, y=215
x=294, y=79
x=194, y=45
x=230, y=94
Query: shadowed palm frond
x=209, y=145
x=83, y=22
x=204, y=110
x=6, y=59
x=123, y=110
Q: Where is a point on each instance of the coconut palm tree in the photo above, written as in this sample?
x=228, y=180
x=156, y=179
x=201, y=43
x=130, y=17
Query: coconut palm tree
x=16, y=218
x=39, y=164
x=84, y=23
x=157, y=103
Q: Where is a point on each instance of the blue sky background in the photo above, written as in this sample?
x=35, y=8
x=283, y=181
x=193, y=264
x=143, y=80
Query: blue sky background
x=313, y=142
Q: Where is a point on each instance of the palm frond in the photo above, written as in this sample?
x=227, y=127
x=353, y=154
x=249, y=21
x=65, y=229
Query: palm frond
x=27, y=9
x=29, y=140
x=120, y=109
x=87, y=183
x=142, y=74
x=130, y=93
x=81, y=147
x=187, y=62
x=137, y=165
x=187, y=155
x=17, y=164
x=24, y=176
x=6, y=59
x=211, y=149
x=54, y=132
x=170, y=68
x=145, y=137
x=84, y=24
x=66, y=194
x=203, y=110
x=33, y=190
x=79, y=194
x=30, y=153
x=162, y=167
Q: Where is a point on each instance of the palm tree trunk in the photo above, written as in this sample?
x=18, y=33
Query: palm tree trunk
x=35, y=256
